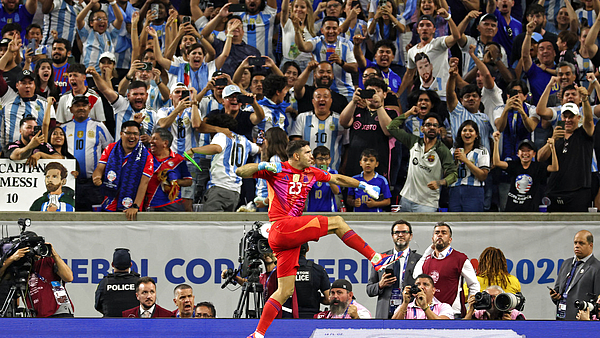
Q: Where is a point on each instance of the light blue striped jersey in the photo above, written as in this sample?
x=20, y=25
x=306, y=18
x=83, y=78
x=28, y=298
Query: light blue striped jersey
x=13, y=109
x=63, y=19
x=460, y=114
x=123, y=46
x=328, y=133
x=95, y=44
x=197, y=79
x=184, y=136
x=259, y=28
x=87, y=141
x=480, y=157
x=342, y=47
x=124, y=112
x=234, y=154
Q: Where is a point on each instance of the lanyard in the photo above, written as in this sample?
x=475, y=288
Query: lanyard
x=404, y=268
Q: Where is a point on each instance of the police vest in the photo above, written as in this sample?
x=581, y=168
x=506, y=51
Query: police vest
x=119, y=293
x=307, y=289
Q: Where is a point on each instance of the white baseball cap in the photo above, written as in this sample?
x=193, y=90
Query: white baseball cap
x=230, y=90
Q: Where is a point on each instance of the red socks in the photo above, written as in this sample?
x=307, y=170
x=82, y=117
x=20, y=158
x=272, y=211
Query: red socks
x=353, y=240
x=270, y=311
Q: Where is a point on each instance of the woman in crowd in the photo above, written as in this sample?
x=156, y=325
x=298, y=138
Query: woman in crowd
x=301, y=12
x=473, y=161
x=44, y=86
x=493, y=270
x=291, y=70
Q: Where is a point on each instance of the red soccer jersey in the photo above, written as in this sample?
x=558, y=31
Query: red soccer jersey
x=288, y=190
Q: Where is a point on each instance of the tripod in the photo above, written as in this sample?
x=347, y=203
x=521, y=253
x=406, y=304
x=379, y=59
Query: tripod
x=254, y=287
x=17, y=291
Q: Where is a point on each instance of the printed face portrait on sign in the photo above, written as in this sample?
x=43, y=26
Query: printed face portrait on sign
x=47, y=186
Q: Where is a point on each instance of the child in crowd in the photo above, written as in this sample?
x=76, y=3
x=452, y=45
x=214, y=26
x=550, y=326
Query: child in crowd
x=321, y=197
x=360, y=200
x=527, y=175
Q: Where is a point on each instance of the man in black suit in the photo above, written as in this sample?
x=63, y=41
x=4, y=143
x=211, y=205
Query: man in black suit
x=578, y=277
x=145, y=291
x=388, y=286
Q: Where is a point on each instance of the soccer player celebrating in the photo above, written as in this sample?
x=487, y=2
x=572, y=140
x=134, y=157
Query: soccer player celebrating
x=289, y=183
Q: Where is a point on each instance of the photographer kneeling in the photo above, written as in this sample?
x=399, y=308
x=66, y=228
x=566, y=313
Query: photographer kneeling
x=45, y=280
x=488, y=310
x=424, y=305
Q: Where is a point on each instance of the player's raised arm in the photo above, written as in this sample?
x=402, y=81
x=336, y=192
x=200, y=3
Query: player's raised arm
x=346, y=181
x=247, y=170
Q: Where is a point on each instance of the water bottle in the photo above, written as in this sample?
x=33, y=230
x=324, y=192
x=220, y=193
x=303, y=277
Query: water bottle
x=342, y=206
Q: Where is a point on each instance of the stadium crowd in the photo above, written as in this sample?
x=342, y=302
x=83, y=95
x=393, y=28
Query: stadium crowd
x=445, y=105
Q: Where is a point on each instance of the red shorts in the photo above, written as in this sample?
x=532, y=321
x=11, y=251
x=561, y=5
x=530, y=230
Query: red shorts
x=287, y=235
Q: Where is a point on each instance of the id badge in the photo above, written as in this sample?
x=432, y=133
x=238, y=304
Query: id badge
x=60, y=294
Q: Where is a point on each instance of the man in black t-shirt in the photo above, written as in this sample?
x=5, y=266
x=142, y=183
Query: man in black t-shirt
x=323, y=78
x=30, y=146
x=525, y=176
x=245, y=120
x=569, y=189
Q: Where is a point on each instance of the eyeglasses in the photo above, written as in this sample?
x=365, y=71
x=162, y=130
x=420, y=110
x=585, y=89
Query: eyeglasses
x=403, y=232
x=100, y=19
x=431, y=125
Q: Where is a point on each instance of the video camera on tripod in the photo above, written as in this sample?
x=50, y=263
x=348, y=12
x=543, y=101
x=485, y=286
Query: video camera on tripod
x=21, y=269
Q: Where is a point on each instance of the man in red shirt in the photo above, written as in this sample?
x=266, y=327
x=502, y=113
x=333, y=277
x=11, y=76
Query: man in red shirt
x=289, y=184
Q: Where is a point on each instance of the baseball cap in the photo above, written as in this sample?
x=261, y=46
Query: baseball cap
x=178, y=85
x=572, y=107
x=528, y=143
x=80, y=98
x=425, y=17
x=342, y=284
x=537, y=37
x=488, y=16
x=121, y=259
x=24, y=74
x=230, y=90
x=108, y=55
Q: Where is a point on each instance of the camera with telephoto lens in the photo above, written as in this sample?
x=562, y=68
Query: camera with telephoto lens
x=483, y=301
x=26, y=239
x=591, y=305
x=253, y=246
x=504, y=302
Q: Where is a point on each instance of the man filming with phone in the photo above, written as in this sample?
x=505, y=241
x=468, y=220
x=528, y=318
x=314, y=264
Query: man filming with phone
x=31, y=142
x=424, y=305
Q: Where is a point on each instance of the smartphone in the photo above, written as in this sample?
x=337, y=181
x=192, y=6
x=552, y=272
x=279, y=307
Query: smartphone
x=147, y=66
x=367, y=93
x=184, y=94
x=237, y=8
x=561, y=124
x=221, y=82
x=31, y=44
x=389, y=270
x=512, y=92
x=245, y=99
x=256, y=61
x=37, y=129
x=260, y=139
x=382, y=3
x=186, y=19
x=155, y=8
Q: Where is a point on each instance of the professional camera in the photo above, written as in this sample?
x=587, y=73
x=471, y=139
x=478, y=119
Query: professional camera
x=585, y=305
x=483, y=301
x=252, y=248
x=507, y=302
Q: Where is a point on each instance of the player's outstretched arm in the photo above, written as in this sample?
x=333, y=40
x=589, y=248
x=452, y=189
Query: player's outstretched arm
x=345, y=181
x=247, y=170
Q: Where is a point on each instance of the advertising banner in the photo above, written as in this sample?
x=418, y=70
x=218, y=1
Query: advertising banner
x=196, y=252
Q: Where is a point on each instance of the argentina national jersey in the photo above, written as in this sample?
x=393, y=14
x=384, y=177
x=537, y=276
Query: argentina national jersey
x=95, y=44
x=124, y=112
x=184, y=136
x=13, y=109
x=234, y=154
x=328, y=133
x=259, y=28
x=62, y=19
x=86, y=142
x=207, y=104
x=342, y=47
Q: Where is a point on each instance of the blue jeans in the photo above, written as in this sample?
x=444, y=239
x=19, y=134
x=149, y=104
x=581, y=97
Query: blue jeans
x=465, y=198
x=407, y=205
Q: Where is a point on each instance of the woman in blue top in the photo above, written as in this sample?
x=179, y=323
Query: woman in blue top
x=473, y=161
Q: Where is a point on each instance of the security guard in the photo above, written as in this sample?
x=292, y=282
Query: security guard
x=311, y=281
x=116, y=291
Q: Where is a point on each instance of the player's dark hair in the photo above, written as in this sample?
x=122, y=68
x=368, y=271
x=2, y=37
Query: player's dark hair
x=370, y=153
x=294, y=146
x=401, y=221
x=56, y=166
x=321, y=150
x=143, y=280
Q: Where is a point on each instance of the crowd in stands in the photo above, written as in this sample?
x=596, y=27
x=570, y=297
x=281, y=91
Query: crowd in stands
x=446, y=105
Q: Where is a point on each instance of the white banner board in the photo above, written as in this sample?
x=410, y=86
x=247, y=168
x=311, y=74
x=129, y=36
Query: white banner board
x=33, y=188
x=196, y=253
